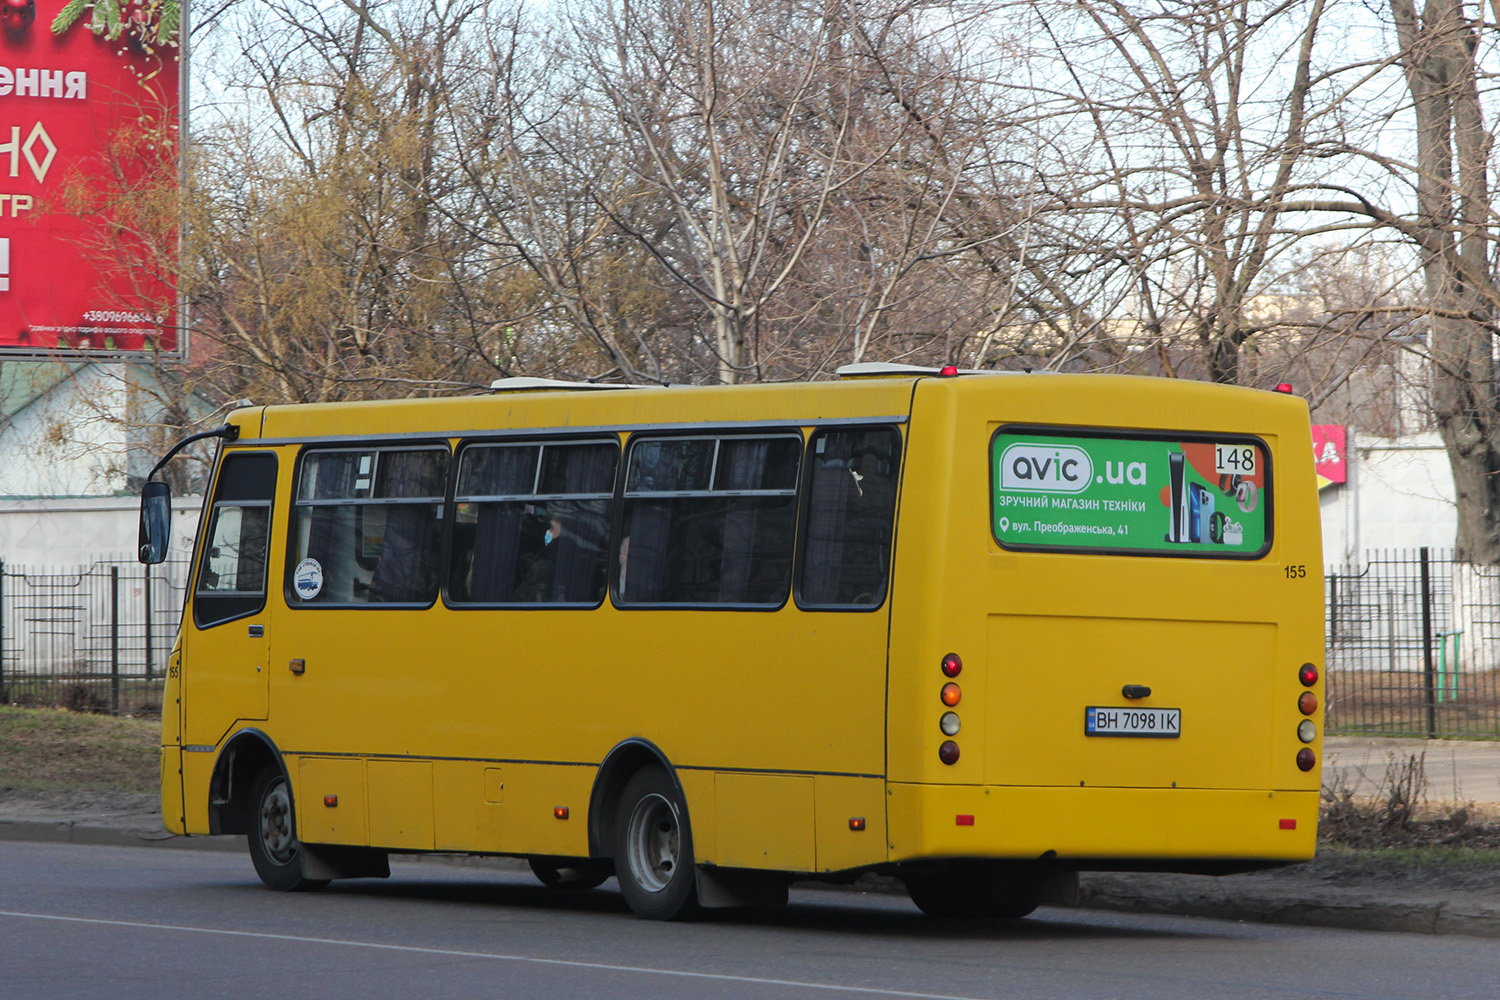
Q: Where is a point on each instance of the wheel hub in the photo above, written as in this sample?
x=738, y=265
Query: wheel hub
x=654, y=842
x=275, y=824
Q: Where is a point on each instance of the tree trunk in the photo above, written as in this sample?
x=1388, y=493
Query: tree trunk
x=1453, y=146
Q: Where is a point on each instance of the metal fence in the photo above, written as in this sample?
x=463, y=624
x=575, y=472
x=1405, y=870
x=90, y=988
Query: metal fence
x=91, y=638
x=1413, y=647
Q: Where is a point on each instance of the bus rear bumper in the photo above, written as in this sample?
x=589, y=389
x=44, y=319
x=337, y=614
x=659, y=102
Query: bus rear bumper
x=1159, y=828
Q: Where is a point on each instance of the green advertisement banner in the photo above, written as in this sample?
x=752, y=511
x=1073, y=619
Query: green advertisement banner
x=1123, y=493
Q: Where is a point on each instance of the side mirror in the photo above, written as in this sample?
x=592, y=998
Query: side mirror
x=156, y=522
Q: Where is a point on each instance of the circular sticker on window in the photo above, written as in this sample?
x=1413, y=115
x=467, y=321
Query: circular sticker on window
x=307, y=579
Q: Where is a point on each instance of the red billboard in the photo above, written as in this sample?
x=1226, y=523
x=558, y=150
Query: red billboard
x=88, y=177
x=1330, y=451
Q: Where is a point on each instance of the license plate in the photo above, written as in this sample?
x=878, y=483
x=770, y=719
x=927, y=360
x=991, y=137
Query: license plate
x=1163, y=723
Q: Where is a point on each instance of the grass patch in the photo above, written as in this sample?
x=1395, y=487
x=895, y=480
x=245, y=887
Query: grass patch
x=42, y=748
x=1421, y=857
x=1399, y=820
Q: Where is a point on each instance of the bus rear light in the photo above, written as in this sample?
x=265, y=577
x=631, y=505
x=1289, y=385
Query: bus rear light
x=952, y=665
x=951, y=694
x=948, y=752
x=561, y=812
x=1305, y=759
x=330, y=800
x=1308, y=675
x=1287, y=824
x=963, y=819
x=1307, y=704
x=948, y=371
x=856, y=823
x=949, y=723
x=1306, y=731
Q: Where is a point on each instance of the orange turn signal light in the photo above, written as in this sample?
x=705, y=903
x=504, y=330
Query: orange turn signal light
x=856, y=823
x=561, y=812
x=951, y=694
x=330, y=800
x=1307, y=703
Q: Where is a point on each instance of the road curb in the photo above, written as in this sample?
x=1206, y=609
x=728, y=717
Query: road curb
x=1351, y=910
x=94, y=835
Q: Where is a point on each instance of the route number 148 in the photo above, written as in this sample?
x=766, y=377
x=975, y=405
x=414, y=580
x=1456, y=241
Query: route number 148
x=1234, y=459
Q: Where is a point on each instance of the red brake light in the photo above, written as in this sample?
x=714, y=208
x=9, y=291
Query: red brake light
x=1305, y=759
x=952, y=665
x=948, y=752
x=1308, y=675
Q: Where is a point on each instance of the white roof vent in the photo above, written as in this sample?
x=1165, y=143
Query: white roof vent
x=528, y=383
x=878, y=369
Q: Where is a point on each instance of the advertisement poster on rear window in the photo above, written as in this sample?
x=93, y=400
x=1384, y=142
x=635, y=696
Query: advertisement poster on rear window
x=1134, y=494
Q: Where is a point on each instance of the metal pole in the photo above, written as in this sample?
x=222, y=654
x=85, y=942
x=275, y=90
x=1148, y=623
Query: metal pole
x=1333, y=609
x=1427, y=667
x=114, y=639
x=147, y=568
x=4, y=694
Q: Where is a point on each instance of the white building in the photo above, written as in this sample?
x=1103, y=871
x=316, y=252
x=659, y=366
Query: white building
x=1399, y=495
x=75, y=442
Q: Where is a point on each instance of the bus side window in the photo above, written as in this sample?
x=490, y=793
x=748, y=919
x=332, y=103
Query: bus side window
x=232, y=571
x=367, y=526
x=851, y=505
x=532, y=523
x=709, y=520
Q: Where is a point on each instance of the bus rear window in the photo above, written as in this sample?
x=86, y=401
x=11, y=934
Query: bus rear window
x=1148, y=494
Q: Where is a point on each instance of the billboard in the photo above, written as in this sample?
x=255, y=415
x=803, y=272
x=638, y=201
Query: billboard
x=88, y=177
x=1329, y=447
x=1138, y=494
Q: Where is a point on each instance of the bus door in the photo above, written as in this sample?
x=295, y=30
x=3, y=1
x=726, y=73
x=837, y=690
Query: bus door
x=225, y=668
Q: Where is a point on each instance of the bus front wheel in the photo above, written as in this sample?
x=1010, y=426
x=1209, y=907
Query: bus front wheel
x=273, y=835
x=654, y=848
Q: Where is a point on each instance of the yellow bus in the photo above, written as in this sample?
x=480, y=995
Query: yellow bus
x=976, y=631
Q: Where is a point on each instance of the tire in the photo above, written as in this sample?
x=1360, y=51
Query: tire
x=947, y=897
x=654, y=848
x=559, y=873
x=272, y=834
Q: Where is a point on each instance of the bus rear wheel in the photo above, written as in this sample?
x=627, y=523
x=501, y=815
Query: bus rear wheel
x=273, y=835
x=654, y=848
x=950, y=897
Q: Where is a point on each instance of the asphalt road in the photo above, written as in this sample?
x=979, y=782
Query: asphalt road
x=80, y=922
